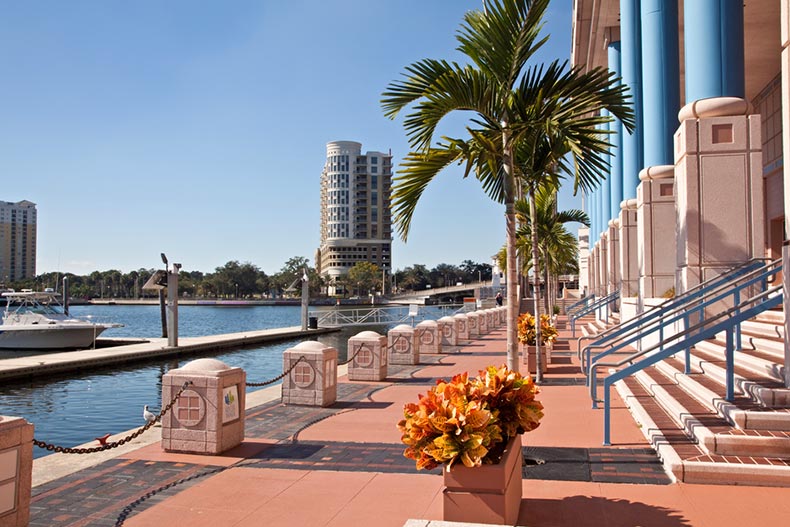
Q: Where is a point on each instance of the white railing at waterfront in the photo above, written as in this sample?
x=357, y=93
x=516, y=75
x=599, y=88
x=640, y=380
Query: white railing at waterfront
x=371, y=316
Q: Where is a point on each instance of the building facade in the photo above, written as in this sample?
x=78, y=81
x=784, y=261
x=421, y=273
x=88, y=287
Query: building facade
x=17, y=241
x=356, y=222
x=700, y=186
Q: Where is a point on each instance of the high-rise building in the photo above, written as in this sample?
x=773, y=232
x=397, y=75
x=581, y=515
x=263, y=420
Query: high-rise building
x=17, y=240
x=356, y=223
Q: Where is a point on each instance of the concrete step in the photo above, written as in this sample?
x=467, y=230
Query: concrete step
x=684, y=459
x=774, y=316
x=742, y=412
x=763, y=328
x=761, y=364
x=713, y=433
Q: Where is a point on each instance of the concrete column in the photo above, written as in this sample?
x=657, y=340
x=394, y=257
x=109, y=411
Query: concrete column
x=603, y=270
x=616, y=139
x=629, y=265
x=594, y=270
x=660, y=79
x=606, y=186
x=655, y=218
x=785, y=15
x=714, y=49
x=613, y=255
x=631, y=60
x=719, y=186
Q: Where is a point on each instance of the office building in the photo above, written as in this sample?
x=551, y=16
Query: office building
x=17, y=241
x=356, y=224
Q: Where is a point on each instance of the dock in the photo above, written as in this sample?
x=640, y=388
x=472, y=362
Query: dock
x=27, y=367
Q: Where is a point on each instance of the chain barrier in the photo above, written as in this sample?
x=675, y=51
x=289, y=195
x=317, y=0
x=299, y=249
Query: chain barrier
x=354, y=356
x=281, y=376
x=113, y=444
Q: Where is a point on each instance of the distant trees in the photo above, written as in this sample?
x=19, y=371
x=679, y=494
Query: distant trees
x=246, y=280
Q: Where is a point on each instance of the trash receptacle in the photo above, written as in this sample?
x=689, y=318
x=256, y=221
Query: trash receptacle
x=312, y=322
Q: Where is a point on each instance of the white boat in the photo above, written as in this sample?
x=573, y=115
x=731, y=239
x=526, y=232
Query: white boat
x=34, y=320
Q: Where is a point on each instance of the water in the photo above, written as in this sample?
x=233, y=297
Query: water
x=72, y=409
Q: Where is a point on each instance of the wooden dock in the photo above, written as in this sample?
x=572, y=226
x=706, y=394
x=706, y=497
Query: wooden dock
x=68, y=361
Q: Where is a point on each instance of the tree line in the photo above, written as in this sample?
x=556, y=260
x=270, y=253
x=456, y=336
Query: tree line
x=246, y=280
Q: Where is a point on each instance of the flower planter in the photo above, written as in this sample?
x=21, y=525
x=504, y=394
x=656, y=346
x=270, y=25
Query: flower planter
x=488, y=493
x=528, y=357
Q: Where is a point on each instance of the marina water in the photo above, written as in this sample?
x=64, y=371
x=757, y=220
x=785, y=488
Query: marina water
x=71, y=409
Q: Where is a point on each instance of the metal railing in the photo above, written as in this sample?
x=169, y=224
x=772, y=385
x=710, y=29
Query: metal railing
x=727, y=321
x=383, y=315
x=633, y=329
x=601, y=303
x=580, y=304
x=695, y=307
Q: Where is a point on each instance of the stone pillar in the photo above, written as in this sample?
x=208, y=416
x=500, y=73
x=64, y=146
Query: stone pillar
x=447, y=332
x=482, y=322
x=655, y=218
x=208, y=417
x=312, y=382
x=369, y=352
x=593, y=269
x=471, y=324
x=616, y=129
x=461, y=322
x=427, y=332
x=603, y=259
x=719, y=184
x=629, y=264
x=404, y=348
x=613, y=256
x=16, y=471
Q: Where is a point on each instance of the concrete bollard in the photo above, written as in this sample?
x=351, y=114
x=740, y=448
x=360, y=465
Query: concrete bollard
x=493, y=319
x=312, y=382
x=208, y=417
x=482, y=322
x=447, y=332
x=427, y=332
x=16, y=471
x=503, y=315
x=461, y=322
x=471, y=324
x=403, y=346
x=369, y=350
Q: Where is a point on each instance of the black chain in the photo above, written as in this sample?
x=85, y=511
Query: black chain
x=113, y=444
x=281, y=376
x=353, y=356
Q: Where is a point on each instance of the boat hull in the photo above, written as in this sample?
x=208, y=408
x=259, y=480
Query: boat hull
x=49, y=338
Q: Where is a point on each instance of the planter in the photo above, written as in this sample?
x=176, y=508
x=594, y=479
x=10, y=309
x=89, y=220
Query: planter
x=488, y=493
x=528, y=357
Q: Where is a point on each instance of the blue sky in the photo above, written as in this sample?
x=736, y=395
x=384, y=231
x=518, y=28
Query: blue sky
x=200, y=128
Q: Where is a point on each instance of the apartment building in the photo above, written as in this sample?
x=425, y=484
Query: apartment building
x=17, y=240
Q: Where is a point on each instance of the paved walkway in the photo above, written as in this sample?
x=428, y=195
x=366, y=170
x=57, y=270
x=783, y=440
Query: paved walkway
x=341, y=466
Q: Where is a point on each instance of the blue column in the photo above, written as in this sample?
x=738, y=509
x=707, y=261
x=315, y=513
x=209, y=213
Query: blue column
x=616, y=139
x=631, y=61
x=660, y=78
x=714, y=49
x=606, y=187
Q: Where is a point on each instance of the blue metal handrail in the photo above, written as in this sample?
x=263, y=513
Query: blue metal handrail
x=601, y=303
x=584, y=302
x=636, y=327
x=725, y=321
x=694, y=306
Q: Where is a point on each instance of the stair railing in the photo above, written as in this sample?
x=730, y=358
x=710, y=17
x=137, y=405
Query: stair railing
x=634, y=329
x=725, y=321
x=601, y=303
x=581, y=304
x=695, y=307
x=610, y=334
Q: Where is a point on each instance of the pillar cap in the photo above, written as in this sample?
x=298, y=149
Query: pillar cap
x=657, y=172
x=366, y=335
x=403, y=327
x=714, y=107
x=427, y=324
x=614, y=223
x=205, y=365
x=628, y=204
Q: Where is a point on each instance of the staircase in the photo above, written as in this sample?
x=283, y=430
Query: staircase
x=700, y=436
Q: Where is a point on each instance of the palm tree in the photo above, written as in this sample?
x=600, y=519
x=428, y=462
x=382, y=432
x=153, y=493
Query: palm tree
x=557, y=248
x=553, y=110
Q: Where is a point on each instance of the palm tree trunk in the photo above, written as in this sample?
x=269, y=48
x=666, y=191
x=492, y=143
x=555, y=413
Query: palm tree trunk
x=510, y=242
x=533, y=213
